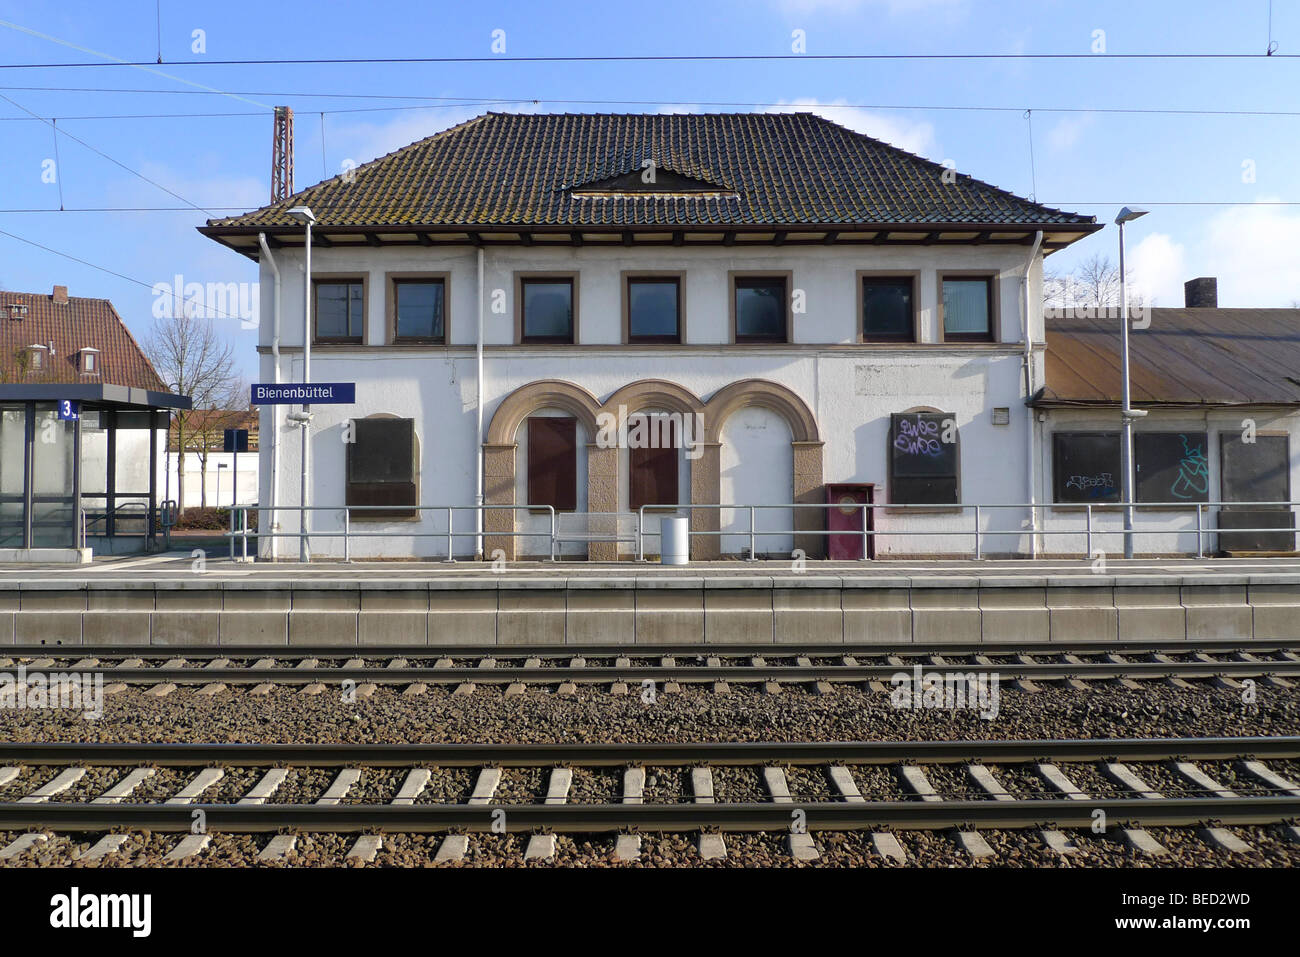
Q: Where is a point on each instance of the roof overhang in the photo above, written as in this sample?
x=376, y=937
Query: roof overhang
x=107, y=394
x=1207, y=405
x=243, y=239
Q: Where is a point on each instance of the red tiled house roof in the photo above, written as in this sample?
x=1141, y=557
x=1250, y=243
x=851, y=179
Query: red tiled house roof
x=67, y=327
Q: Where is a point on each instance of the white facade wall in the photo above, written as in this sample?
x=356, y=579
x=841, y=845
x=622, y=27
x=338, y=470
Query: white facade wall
x=850, y=387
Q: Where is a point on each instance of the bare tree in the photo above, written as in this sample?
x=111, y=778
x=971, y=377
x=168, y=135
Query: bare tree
x=195, y=361
x=207, y=430
x=1094, y=283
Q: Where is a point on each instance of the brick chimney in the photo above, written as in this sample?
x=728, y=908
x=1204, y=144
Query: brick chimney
x=1202, y=293
x=60, y=295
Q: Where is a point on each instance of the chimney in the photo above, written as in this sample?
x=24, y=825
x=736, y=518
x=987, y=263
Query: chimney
x=1202, y=293
x=60, y=295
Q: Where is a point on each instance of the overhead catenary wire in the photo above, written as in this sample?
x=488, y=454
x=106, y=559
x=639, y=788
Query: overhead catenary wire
x=452, y=102
x=112, y=272
x=99, y=152
x=643, y=58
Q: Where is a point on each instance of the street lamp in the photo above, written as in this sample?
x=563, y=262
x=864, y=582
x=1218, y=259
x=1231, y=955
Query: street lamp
x=304, y=215
x=220, y=466
x=1127, y=413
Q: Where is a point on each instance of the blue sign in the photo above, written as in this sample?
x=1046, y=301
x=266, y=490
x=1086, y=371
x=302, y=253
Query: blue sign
x=68, y=410
x=235, y=440
x=310, y=393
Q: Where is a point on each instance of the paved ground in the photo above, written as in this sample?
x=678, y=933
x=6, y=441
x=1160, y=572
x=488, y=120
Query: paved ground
x=181, y=566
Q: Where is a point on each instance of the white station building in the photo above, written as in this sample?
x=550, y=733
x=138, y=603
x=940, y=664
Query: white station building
x=812, y=318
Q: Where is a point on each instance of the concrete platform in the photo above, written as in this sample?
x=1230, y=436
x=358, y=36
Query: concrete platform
x=163, y=600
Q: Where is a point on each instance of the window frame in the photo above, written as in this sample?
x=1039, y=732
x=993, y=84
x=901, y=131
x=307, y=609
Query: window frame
x=327, y=279
x=626, y=278
x=895, y=480
x=861, y=277
x=739, y=279
x=990, y=278
x=385, y=514
x=394, y=279
x=521, y=280
x=672, y=453
x=528, y=465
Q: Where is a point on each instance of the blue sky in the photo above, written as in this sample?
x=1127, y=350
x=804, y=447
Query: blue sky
x=1088, y=161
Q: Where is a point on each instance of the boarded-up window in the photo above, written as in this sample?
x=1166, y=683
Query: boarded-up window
x=652, y=463
x=553, y=462
x=924, y=459
x=381, y=468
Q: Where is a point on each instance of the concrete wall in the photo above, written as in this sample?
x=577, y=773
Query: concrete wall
x=496, y=610
x=851, y=388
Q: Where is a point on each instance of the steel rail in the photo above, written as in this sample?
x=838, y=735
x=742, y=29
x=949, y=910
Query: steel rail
x=1043, y=671
x=330, y=652
x=665, y=754
x=576, y=818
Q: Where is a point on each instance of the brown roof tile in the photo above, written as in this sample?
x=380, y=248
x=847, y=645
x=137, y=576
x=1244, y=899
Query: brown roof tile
x=740, y=169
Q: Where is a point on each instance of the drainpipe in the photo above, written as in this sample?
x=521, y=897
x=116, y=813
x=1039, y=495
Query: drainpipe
x=275, y=409
x=1026, y=326
x=478, y=409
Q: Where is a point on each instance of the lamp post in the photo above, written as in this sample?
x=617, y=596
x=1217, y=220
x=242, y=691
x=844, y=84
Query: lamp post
x=1127, y=413
x=220, y=466
x=304, y=215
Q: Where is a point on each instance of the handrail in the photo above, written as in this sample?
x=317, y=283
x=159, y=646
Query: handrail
x=239, y=525
x=870, y=530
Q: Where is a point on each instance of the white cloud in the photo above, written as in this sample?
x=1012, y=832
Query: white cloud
x=1250, y=249
x=1069, y=130
x=915, y=136
x=1157, y=268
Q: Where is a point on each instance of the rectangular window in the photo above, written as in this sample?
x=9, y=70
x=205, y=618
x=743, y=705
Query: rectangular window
x=888, y=313
x=968, y=309
x=760, y=308
x=924, y=459
x=653, y=310
x=1258, y=471
x=553, y=462
x=418, y=308
x=381, y=468
x=1171, y=466
x=1086, y=467
x=547, y=310
x=652, y=472
x=340, y=310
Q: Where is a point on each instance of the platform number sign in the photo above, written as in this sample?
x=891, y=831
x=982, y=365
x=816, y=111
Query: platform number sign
x=68, y=410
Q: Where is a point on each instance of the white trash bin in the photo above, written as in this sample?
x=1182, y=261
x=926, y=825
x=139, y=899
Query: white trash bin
x=674, y=542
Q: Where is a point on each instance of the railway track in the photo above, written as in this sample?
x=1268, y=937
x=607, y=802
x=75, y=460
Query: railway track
x=1277, y=662
x=1040, y=787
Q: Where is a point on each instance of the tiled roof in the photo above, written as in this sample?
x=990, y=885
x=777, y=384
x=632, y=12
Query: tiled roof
x=70, y=327
x=726, y=169
x=1186, y=357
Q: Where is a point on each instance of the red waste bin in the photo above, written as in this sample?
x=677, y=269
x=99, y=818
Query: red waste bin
x=844, y=521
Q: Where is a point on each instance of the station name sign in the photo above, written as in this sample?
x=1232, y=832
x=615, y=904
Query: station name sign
x=310, y=393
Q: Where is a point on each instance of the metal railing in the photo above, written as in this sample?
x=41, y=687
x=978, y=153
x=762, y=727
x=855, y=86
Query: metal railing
x=976, y=532
x=239, y=530
x=955, y=521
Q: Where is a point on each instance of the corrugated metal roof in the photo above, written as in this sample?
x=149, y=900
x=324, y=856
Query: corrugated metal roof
x=71, y=326
x=746, y=169
x=1185, y=357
